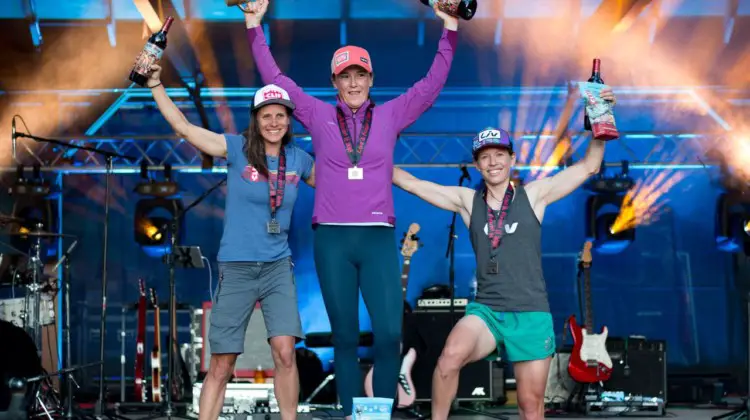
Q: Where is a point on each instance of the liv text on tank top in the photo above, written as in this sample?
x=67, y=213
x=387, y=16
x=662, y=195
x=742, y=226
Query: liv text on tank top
x=355, y=154
x=518, y=285
x=276, y=193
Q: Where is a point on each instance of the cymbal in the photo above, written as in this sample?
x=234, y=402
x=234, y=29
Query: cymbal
x=41, y=234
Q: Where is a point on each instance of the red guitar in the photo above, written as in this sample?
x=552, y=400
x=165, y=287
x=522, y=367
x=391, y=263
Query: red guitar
x=156, y=354
x=589, y=360
x=406, y=392
x=140, y=356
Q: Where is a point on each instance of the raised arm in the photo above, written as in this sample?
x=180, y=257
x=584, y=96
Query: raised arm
x=455, y=199
x=409, y=106
x=206, y=141
x=269, y=70
x=548, y=190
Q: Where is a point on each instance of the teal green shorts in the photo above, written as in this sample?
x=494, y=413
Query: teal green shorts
x=524, y=335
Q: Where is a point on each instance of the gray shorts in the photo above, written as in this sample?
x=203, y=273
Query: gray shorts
x=241, y=285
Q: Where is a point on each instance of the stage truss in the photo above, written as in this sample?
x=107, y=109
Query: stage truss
x=674, y=148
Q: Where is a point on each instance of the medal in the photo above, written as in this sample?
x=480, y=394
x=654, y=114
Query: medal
x=355, y=173
x=276, y=193
x=492, y=266
x=273, y=227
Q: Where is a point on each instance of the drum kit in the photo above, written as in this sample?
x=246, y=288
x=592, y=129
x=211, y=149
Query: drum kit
x=29, y=318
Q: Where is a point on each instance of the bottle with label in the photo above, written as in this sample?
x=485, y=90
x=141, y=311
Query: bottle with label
x=150, y=55
x=596, y=77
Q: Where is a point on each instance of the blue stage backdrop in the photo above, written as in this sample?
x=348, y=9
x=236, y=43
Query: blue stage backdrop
x=670, y=284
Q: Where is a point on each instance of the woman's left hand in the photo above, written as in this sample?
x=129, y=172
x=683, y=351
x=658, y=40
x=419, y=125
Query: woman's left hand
x=608, y=95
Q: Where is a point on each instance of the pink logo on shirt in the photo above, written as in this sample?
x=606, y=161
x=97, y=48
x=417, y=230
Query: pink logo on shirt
x=251, y=174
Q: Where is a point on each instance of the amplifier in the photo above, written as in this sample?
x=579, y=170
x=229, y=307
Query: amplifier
x=430, y=330
x=639, y=367
x=428, y=304
x=257, y=350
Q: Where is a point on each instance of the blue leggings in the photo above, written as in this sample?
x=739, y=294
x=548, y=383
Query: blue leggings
x=349, y=259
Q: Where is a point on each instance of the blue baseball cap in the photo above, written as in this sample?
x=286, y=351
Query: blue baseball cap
x=491, y=137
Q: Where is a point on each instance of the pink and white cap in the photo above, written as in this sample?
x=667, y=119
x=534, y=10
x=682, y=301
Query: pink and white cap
x=350, y=56
x=272, y=94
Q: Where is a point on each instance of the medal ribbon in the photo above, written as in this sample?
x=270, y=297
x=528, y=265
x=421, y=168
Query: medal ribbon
x=355, y=154
x=276, y=192
x=495, y=227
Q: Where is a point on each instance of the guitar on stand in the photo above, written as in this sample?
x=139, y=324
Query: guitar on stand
x=140, y=353
x=156, y=353
x=181, y=376
x=589, y=359
x=406, y=391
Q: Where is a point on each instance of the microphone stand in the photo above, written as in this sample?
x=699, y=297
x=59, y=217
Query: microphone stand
x=170, y=260
x=99, y=409
x=451, y=254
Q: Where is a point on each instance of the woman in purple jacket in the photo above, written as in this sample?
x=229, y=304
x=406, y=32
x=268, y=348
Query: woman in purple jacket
x=353, y=216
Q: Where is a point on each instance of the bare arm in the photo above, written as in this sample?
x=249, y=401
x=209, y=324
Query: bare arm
x=455, y=199
x=204, y=140
x=548, y=190
x=311, y=179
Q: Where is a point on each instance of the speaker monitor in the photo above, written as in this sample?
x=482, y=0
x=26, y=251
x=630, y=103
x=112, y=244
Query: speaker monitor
x=640, y=367
x=427, y=332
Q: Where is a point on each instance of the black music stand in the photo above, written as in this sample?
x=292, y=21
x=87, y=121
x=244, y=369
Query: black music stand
x=450, y=251
x=99, y=409
x=185, y=259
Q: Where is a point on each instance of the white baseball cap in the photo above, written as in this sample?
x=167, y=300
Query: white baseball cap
x=272, y=94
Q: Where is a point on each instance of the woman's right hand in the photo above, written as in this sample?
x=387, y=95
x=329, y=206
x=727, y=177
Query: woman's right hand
x=154, y=79
x=254, y=12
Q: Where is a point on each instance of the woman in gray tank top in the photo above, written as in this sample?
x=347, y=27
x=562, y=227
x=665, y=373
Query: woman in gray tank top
x=511, y=310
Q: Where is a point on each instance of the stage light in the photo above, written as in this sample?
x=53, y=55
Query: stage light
x=35, y=203
x=153, y=215
x=733, y=222
x=152, y=220
x=602, y=208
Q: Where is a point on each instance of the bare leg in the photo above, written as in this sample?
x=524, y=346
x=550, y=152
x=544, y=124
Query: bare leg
x=286, y=378
x=215, y=385
x=531, y=381
x=469, y=341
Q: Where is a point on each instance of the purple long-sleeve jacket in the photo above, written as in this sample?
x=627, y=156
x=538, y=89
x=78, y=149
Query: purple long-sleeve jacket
x=339, y=200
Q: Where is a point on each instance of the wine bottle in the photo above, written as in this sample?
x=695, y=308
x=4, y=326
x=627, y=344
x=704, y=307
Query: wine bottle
x=596, y=77
x=150, y=54
x=464, y=9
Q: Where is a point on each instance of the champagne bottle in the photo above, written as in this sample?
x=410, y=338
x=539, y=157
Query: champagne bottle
x=464, y=9
x=150, y=54
x=596, y=77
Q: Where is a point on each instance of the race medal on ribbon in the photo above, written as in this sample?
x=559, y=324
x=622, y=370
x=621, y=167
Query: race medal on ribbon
x=273, y=227
x=492, y=266
x=356, y=173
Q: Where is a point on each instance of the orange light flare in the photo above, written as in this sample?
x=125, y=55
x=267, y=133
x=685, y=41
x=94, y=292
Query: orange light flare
x=735, y=152
x=645, y=201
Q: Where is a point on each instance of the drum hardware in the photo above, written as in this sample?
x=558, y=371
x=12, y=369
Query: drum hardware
x=99, y=410
x=4, y=220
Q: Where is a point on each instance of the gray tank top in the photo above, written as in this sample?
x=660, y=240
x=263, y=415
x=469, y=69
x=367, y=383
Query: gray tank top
x=519, y=284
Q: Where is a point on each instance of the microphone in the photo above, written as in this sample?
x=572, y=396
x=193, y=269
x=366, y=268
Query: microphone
x=465, y=173
x=13, y=136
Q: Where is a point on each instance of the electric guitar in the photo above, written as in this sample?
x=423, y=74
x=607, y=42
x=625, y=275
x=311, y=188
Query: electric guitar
x=589, y=360
x=406, y=391
x=140, y=354
x=156, y=353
